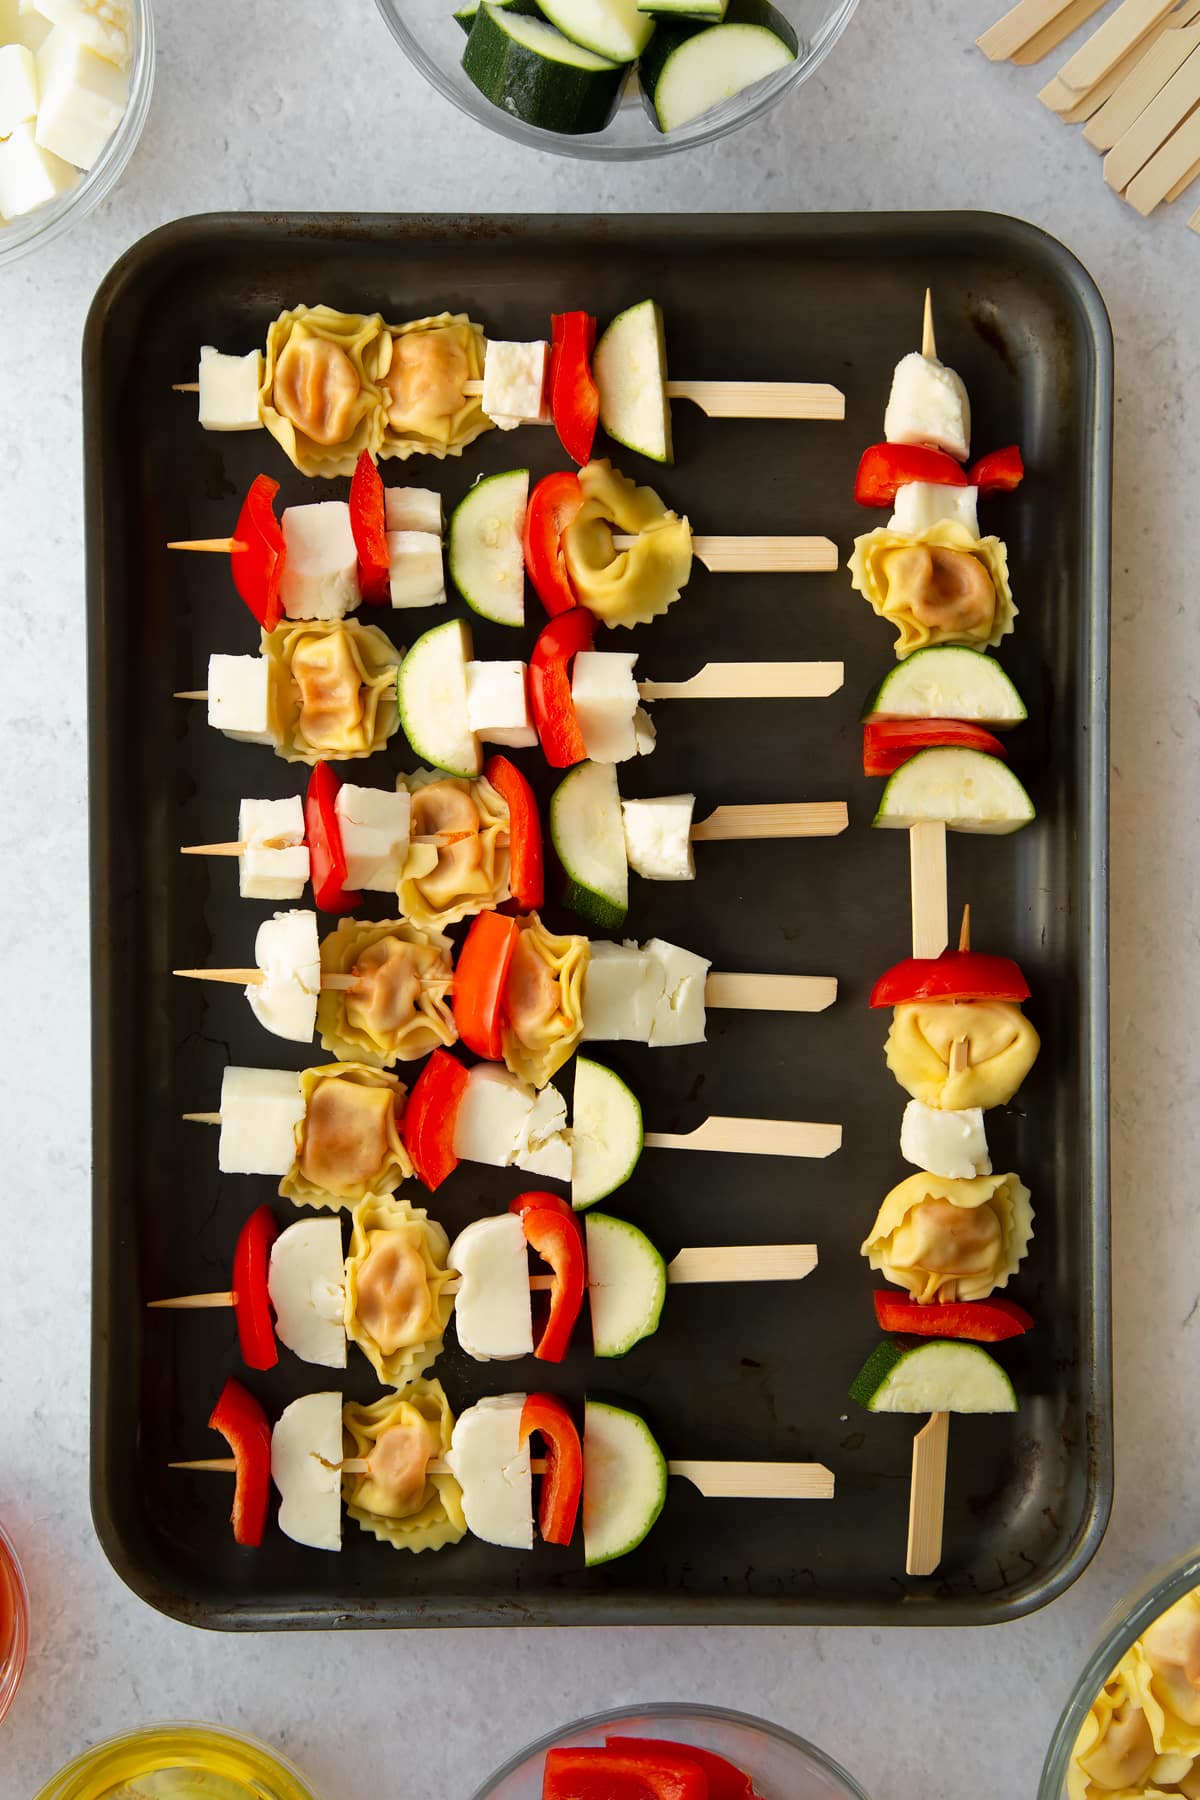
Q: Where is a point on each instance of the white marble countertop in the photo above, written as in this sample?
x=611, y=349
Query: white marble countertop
x=903, y=114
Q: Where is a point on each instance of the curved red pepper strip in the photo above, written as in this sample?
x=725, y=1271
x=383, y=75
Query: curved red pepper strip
x=888, y=743
x=550, y=702
x=562, y=1484
x=257, y=558
x=368, y=522
x=243, y=1424
x=251, y=1299
x=323, y=833
x=954, y=975
x=479, y=978
x=427, y=1126
x=725, y=1781
x=608, y=1774
x=574, y=396
x=553, y=504
x=540, y=1201
x=999, y=472
x=885, y=468
x=552, y=1229
x=980, y=1321
x=526, y=860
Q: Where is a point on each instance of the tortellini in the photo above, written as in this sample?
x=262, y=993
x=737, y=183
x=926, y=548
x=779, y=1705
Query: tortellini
x=399, y=1008
x=397, y=1309
x=424, y=374
x=398, y=1501
x=625, y=587
x=543, y=1001
x=348, y=1143
x=1002, y=1047
x=1132, y=1745
x=442, y=883
x=948, y=1240
x=336, y=682
x=320, y=396
x=942, y=585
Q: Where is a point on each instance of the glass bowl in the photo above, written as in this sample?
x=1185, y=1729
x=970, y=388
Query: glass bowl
x=231, y=1767
x=47, y=222
x=14, y=1622
x=783, y=1766
x=430, y=36
x=1127, y=1621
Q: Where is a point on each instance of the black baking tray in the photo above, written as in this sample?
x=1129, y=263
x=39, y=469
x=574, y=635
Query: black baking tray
x=757, y=1373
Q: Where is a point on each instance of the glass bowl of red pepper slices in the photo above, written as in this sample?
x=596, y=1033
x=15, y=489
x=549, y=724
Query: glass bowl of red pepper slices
x=672, y=1751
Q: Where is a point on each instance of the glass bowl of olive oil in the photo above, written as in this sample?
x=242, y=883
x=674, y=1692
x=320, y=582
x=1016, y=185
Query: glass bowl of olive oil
x=178, y=1761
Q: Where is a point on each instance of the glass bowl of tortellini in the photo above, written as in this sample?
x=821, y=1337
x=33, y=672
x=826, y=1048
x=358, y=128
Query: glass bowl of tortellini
x=1131, y=1730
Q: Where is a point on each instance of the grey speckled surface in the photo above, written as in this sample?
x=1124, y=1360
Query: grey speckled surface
x=903, y=114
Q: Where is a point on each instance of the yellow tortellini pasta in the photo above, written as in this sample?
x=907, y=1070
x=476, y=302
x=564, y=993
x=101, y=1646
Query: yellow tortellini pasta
x=1002, y=1047
x=320, y=396
x=1131, y=1745
x=948, y=1240
x=336, y=682
x=397, y=1309
x=399, y=1008
x=423, y=374
x=348, y=1143
x=625, y=587
x=443, y=883
x=543, y=1001
x=398, y=1501
x=942, y=585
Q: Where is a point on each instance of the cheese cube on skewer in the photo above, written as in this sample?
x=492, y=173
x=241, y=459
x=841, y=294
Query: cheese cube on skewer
x=658, y=837
x=260, y=1110
x=928, y=405
x=606, y=704
x=105, y=26
x=492, y=1467
x=29, y=175
x=415, y=567
x=506, y=1123
x=81, y=98
x=320, y=570
x=239, y=698
x=413, y=509
x=375, y=826
x=679, y=1017
x=306, y=1280
x=920, y=504
x=950, y=1144
x=493, y=1315
x=288, y=951
x=18, y=87
x=229, y=390
x=274, y=863
x=621, y=992
x=306, y=1459
x=498, y=704
x=514, y=384
x=544, y=1148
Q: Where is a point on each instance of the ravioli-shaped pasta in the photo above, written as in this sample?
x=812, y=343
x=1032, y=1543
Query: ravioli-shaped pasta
x=398, y=1501
x=348, y=1144
x=949, y=1240
x=1114, y=1752
x=1002, y=1047
x=399, y=1008
x=543, y=1001
x=442, y=883
x=425, y=368
x=1169, y=1685
x=397, y=1309
x=338, y=682
x=942, y=585
x=320, y=396
x=625, y=587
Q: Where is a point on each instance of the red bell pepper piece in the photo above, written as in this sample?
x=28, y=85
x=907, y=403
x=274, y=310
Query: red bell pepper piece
x=479, y=979
x=430, y=1116
x=954, y=975
x=884, y=468
x=562, y=1484
x=574, y=396
x=999, y=472
x=983, y=1321
x=551, y=1228
x=533, y=1201
x=368, y=522
x=889, y=742
x=594, y=1774
x=258, y=553
x=251, y=1300
x=725, y=1782
x=550, y=702
x=243, y=1424
x=553, y=504
x=526, y=863
x=326, y=856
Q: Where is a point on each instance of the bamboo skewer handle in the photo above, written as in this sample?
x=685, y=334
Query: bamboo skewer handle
x=762, y=399
x=757, y=1480
x=751, y=681
x=1165, y=111
x=758, y=555
x=752, y=1137
x=1077, y=13
x=1026, y=21
x=742, y=1262
x=798, y=819
x=1120, y=33
x=770, y=993
x=927, y=1495
x=927, y=870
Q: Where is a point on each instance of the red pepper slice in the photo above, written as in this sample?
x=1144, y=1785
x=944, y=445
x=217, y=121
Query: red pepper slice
x=526, y=863
x=594, y=1774
x=479, y=979
x=562, y=1484
x=258, y=555
x=243, y=1424
x=954, y=975
x=884, y=468
x=533, y=1201
x=430, y=1116
x=983, y=1321
x=887, y=743
x=326, y=856
x=574, y=396
x=368, y=522
x=251, y=1300
x=550, y=702
x=553, y=504
x=725, y=1782
x=999, y=472
x=551, y=1228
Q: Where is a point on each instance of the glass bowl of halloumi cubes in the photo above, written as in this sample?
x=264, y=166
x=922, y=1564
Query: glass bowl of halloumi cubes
x=75, y=83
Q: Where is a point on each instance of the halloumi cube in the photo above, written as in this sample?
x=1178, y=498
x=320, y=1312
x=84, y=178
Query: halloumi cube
x=306, y=1467
x=606, y=702
x=229, y=390
x=415, y=568
x=273, y=863
x=920, y=504
x=658, y=837
x=545, y=1148
x=20, y=24
x=498, y=704
x=260, y=1110
x=928, y=405
x=492, y=1122
x=491, y=1465
x=320, y=567
x=679, y=1017
x=239, y=698
x=514, y=383
x=81, y=98
x=375, y=824
x=622, y=988
x=18, y=87
x=951, y=1144
x=493, y=1313
x=29, y=175
x=306, y=1279
x=288, y=951
x=414, y=509
x=105, y=26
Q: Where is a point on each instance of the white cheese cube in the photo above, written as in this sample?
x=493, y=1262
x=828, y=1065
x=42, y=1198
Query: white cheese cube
x=413, y=509
x=545, y=1148
x=81, y=98
x=644, y=734
x=273, y=863
x=320, y=568
x=658, y=837
x=105, y=26
x=498, y=704
x=239, y=698
x=260, y=1110
x=514, y=384
x=920, y=504
x=679, y=1016
x=229, y=390
x=928, y=405
x=306, y=1467
x=18, y=87
x=29, y=175
x=20, y=24
x=493, y=1315
x=288, y=952
x=493, y=1116
x=375, y=826
x=491, y=1466
x=606, y=701
x=306, y=1280
x=622, y=989
x=415, y=568
x=950, y=1144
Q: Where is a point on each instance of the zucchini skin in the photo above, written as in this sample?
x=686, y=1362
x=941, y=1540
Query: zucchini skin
x=550, y=96
x=529, y=8
x=672, y=32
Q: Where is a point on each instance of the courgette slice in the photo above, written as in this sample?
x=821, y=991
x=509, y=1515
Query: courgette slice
x=589, y=839
x=624, y=1481
x=532, y=71
x=943, y=1375
x=487, y=563
x=431, y=693
x=614, y=29
x=465, y=15
x=947, y=681
x=712, y=11
x=965, y=790
x=689, y=67
x=630, y=367
x=606, y=1133
x=627, y=1284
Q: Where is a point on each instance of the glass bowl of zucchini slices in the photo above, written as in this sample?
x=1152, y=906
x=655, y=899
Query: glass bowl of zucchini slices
x=616, y=80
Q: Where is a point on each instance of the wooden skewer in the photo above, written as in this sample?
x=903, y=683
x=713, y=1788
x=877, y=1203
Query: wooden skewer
x=1185, y=181
x=210, y=546
x=758, y=555
x=1153, y=127
x=927, y=869
x=799, y=819
x=1121, y=32
x=438, y=838
x=1077, y=13
x=715, y=1480
x=330, y=983
x=751, y=681
x=1168, y=171
x=928, y=337
x=1028, y=20
x=752, y=1137
x=1138, y=79
x=770, y=993
x=1194, y=221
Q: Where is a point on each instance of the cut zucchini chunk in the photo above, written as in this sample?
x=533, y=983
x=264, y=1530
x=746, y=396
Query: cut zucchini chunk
x=589, y=838
x=940, y=1376
x=606, y=1133
x=487, y=563
x=689, y=66
x=965, y=790
x=947, y=681
x=713, y=11
x=627, y=1284
x=630, y=367
x=465, y=15
x=431, y=693
x=614, y=29
x=624, y=1482
x=531, y=70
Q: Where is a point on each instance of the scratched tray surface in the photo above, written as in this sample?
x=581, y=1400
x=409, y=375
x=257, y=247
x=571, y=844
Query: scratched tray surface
x=733, y=1371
